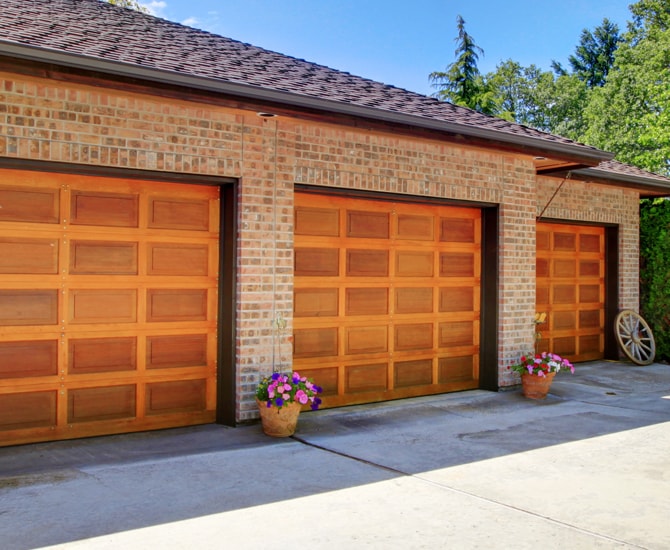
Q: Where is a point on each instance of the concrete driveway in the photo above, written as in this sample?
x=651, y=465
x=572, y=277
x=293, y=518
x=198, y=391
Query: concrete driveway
x=589, y=467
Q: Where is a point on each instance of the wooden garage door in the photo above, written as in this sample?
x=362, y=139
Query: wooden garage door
x=571, y=290
x=386, y=297
x=108, y=303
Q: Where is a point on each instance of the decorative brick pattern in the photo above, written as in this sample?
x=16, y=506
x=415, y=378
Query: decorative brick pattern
x=56, y=121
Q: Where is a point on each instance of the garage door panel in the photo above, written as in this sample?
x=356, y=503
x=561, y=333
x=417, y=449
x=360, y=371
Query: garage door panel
x=176, y=397
x=103, y=258
x=413, y=373
x=105, y=306
x=178, y=259
x=104, y=209
x=19, y=307
x=413, y=300
x=28, y=256
x=457, y=369
x=570, y=289
x=25, y=410
x=30, y=205
x=367, y=263
x=108, y=302
x=178, y=213
x=28, y=358
x=366, y=378
x=412, y=227
x=177, y=351
x=94, y=355
x=105, y=403
x=164, y=305
x=400, y=294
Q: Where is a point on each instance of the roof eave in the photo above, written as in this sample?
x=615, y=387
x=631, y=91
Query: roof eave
x=648, y=187
x=257, y=93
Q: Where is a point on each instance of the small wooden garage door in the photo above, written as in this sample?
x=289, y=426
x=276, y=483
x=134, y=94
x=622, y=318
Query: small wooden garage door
x=108, y=303
x=571, y=290
x=386, y=297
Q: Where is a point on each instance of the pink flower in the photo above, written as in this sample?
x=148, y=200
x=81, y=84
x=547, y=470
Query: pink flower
x=301, y=396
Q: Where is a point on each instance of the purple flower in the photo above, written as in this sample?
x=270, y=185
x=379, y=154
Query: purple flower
x=275, y=376
x=279, y=402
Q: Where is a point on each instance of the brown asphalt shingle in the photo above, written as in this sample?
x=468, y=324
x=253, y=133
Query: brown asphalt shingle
x=100, y=30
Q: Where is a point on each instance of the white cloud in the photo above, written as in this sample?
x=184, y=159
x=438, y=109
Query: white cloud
x=190, y=22
x=155, y=7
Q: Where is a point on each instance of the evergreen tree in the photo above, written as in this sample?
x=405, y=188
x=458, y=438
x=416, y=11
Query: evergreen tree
x=461, y=83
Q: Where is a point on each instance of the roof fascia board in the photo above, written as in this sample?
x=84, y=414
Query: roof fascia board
x=628, y=180
x=45, y=55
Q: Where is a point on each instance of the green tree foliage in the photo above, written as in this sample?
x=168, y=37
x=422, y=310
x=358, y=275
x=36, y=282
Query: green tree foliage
x=461, y=83
x=655, y=272
x=630, y=114
x=132, y=4
x=594, y=55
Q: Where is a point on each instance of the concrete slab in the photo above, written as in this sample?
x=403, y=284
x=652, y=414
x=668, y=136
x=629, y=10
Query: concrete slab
x=586, y=468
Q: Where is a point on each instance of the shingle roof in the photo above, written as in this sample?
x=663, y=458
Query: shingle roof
x=99, y=30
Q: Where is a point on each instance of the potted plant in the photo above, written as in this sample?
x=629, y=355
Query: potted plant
x=280, y=397
x=537, y=371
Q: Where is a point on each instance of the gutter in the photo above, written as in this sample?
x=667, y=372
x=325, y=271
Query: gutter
x=258, y=93
x=659, y=188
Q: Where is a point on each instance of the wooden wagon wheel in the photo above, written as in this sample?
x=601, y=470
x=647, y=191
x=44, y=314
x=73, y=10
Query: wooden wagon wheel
x=635, y=337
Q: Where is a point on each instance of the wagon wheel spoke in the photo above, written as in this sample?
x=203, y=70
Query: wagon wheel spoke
x=635, y=337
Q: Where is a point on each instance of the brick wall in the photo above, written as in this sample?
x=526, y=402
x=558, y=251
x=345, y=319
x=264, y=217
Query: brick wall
x=56, y=121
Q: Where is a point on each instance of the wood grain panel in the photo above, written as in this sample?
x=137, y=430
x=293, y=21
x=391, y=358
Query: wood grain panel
x=95, y=404
x=457, y=333
x=28, y=256
x=176, y=305
x=413, y=337
x=455, y=264
x=178, y=213
x=316, y=262
x=365, y=378
x=455, y=369
x=414, y=264
x=317, y=221
x=413, y=300
x=25, y=410
x=454, y=299
x=90, y=355
x=29, y=205
x=103, y=258
x=177, y=259
x=28, y=307
x=315, y=302
x=316, y=342
x=368, y=225
x=418, y=228
x=189, y=350
x=366, y=301
x=359, y=340
x=367, y=263
x=104, y=209
x=29, y=358
x=175, y=397
x=457, y=230
x=413, y=373
x=103, y=306
x=327, y=378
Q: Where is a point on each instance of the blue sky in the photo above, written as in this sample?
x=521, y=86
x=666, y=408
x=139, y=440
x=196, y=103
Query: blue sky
x=400, y=42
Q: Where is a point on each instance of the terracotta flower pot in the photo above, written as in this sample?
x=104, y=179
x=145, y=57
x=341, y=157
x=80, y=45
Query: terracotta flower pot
x=279, y=422
x=536, y=387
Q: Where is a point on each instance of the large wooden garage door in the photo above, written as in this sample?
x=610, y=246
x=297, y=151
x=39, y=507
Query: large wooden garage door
x=108, y=303
x=571, y=290
x=387, y=297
